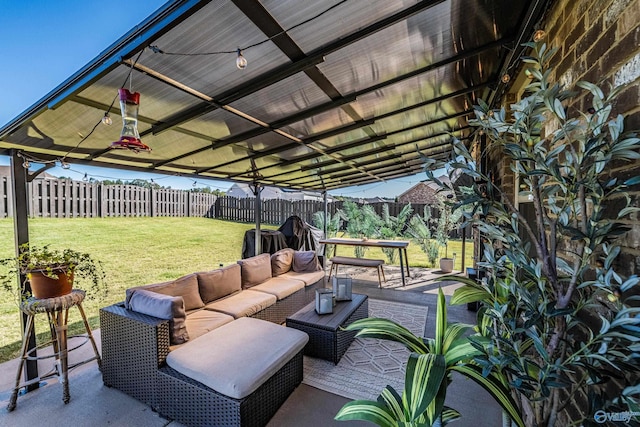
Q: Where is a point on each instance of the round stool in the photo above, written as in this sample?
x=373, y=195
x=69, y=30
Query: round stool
x=57, y=310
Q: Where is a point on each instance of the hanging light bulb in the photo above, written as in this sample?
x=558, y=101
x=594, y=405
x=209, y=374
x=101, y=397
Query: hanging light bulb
x=194, y=184
x=129, y=136
x=539, y=35
x=506, y=78
x=26, y=164
x=65, y=165
x=85, y=177
x=106, y=119
x=241, y=61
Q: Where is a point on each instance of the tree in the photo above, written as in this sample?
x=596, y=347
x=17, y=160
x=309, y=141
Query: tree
x=420, y=231
x=362, y=222
x=392, y=227
x=559, y=318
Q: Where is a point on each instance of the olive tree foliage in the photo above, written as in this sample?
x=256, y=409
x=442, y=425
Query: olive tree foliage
x=559, y=318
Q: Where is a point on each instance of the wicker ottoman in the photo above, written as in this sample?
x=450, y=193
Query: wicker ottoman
x=326, y=339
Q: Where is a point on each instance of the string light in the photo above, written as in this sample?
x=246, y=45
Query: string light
x=106, y=119
x=539, y=35
x=506, y=78
x=85, y=177
x=26, y=164
x=241, y=61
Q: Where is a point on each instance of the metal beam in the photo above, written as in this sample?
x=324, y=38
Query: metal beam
x=21, y=237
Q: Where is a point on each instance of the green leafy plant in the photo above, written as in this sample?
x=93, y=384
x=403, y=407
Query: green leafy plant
x=448, y=219
x=559, y=316
x=333, y=226
x=52, y=262
x=392, y=227
x=362, y=222
x=420, y=231
x=429, y=372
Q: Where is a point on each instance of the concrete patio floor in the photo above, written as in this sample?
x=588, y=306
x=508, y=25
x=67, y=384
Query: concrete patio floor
x=93, y=404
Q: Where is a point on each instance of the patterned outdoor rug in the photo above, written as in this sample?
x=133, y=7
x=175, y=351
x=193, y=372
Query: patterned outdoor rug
x=369, y=364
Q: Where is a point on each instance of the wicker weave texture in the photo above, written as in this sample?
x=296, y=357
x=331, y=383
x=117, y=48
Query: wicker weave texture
x=185, y=400
x=328, y=344
x=134, y=345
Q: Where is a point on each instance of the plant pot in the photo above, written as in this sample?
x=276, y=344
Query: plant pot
x=446, y=265
x=47, y=287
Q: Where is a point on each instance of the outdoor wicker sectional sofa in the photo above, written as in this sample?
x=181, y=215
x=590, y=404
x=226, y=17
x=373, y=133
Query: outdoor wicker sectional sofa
x=209, y=347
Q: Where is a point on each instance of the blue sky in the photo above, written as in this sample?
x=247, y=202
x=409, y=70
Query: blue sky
x=44, y=42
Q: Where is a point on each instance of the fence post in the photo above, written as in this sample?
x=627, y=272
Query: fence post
x=152, y=210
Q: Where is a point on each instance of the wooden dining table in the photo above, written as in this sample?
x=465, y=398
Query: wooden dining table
x=401, y=245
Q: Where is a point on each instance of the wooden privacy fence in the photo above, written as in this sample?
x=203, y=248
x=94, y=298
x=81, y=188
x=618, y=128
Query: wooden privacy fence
x=276, y=211
x=65, y=198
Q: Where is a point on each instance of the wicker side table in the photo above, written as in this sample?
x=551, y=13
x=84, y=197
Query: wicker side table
x=326, y=338
x=57, y=310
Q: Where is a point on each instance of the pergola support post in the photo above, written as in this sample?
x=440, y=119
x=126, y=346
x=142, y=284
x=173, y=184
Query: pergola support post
x=21, y=236
x=257, y=209
x=325, y=203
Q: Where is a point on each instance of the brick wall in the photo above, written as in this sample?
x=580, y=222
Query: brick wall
x=599, y=41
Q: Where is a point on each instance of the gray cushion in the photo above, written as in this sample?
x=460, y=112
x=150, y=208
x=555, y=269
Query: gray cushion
x=185, y=287
x=242, y=304
x=219, y=358
x=280, y=286
x=281, y=261
x=255, y=270
x=164, y=307
x=219, y=283
x=305, y=262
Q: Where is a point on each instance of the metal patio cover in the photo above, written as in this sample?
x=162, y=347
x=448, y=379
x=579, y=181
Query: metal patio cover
x=350, y=96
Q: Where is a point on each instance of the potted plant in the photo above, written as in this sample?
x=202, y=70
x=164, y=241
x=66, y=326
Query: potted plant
x=562, y=321
x=429, y=372
x=447, y=222
x=51, y=272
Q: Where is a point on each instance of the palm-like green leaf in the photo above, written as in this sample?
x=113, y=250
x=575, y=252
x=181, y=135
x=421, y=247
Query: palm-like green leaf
x=470, y=293
x=441, y=323
x=366, y=410
x=423, y=379
x=494, y=386
x=392, y=400
x=386, y=329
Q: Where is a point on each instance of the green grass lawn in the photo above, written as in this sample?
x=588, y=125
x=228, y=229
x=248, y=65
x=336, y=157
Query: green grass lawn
x=139, y=251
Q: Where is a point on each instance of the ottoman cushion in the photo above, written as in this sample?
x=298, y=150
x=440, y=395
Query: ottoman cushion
x=237, y=358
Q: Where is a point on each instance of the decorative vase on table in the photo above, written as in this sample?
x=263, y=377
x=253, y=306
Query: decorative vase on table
x=446, y=265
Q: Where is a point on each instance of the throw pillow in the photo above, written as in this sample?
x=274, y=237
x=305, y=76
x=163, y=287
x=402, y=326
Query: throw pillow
x=164, y=307
x=305, y=262
x=281, y=261
x=255, y=270
x=219, y=283
x=185, y=287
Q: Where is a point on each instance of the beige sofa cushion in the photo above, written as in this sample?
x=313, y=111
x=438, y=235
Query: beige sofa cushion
x=202, y=321
x=219, y=358
x=305, y=262
x=255, y=270
x=307, y=278
x=281, y=261
x=242, y=304
x=219, y=283
x=164, y=307
x=280, y=286
x=185, y=287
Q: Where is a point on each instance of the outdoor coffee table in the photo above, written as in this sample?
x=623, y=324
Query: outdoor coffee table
x=326, y=339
